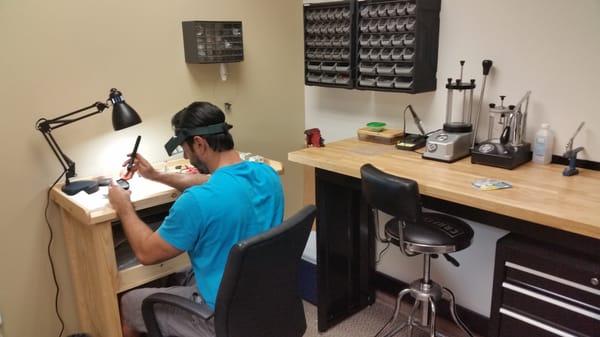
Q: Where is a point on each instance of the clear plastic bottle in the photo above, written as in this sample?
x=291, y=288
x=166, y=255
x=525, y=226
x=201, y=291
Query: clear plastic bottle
x=543, y=145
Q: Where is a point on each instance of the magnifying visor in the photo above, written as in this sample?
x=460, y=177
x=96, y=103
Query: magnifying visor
x=181, y=134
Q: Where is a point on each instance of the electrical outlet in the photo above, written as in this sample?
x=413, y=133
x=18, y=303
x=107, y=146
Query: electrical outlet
x=227, y=106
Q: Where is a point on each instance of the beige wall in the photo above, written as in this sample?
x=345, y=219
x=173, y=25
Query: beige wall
x=57, y=56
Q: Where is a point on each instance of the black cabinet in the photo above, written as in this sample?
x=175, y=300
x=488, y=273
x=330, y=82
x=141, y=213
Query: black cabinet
x=397, y=45
x=544, y=290
x=213, y=41
x=384, y=45
x=328, y=44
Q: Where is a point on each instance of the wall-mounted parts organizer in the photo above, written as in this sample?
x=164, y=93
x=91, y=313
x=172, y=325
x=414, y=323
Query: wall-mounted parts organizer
x=329, y=35
x=395, y=44
x=213, y=41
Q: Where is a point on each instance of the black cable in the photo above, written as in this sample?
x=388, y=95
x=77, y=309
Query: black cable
x=380, y=255
x=404, y=121
x=62, y=323
x=434, y=131
x=458, y=320
x=385, y=325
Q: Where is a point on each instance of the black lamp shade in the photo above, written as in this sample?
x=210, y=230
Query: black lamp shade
x=123, y=115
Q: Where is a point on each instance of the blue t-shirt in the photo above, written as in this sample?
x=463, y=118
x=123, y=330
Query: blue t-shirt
x=237, y=202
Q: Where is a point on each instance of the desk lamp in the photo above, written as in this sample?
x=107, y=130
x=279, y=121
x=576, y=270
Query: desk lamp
x=123, y=116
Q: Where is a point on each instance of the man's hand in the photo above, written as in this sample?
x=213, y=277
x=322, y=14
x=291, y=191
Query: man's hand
x=148, y=246
x=119, y=198
x=140, y=164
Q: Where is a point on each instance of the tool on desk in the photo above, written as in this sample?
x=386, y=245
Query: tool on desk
x=487, y=184
x=411, y=141
x=507, y=149
x=313, y=138
x=123, y=183
x=571, y=154
x=133, y=153
x=487, y=65
x=454, y=141
x=376, y=132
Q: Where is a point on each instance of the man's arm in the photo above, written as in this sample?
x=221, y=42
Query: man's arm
x=178, y=181
x=147, y=245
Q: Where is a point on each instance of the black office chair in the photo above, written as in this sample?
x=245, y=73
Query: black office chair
x=415, y=232
x=258, y=296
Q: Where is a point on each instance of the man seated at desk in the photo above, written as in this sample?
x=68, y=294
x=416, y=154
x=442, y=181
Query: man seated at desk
x=239, y=200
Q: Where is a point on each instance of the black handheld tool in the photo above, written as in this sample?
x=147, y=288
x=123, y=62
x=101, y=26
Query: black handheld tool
x=123, y=183
x=133, y=153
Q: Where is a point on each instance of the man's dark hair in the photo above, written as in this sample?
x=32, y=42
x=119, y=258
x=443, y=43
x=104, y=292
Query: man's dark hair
x=200, y=114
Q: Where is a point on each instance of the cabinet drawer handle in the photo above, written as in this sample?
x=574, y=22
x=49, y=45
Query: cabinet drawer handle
x=551, y=301
x=552, y=278
x=533, y=322
x=594, y=281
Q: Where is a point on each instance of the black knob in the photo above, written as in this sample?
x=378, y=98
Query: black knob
x=502, y=98
x=462, y=63
x=487, y=65
x=492, y=105
x=511, y=107
x=458, y=81
x=449, y=81
x=472, y=81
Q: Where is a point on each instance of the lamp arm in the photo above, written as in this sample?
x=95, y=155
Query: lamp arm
x=66, y=162
x=45, y=126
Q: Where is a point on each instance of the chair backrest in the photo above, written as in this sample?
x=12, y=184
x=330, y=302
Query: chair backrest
x=398, y=197
x=259, y=294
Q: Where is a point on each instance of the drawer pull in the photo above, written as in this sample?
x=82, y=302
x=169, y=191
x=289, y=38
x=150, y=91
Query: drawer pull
x=594, y=281
x=553, y=278
x=535, y=323
x=550, y=300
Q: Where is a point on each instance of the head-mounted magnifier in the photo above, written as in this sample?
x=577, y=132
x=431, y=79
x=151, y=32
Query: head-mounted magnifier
x=181, y=134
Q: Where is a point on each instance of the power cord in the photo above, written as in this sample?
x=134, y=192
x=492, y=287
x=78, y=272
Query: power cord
x=384, y=326
x=62, y=323
x=381, y=252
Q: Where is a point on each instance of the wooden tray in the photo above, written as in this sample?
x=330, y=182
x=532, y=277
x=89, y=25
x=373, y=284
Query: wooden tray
x=386, y=136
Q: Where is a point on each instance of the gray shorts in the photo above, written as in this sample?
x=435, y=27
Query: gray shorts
x=172, y=321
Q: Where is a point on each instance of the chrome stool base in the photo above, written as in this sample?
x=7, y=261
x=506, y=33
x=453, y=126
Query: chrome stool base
x=426, y=295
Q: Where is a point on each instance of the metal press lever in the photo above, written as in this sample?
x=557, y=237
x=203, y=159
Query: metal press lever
x=487, y=65
x=569, y=146
x=571, y=153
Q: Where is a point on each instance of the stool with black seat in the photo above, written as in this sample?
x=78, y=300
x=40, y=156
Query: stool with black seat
x=415, y=232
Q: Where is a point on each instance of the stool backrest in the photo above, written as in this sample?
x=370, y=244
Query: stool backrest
x=398, y=197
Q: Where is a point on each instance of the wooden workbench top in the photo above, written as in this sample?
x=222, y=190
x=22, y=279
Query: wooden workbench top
x=540, y=193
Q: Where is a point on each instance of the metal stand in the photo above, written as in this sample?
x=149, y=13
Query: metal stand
x=426, y=294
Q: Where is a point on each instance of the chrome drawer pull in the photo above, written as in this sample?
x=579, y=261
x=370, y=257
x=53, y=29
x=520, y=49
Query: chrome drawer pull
x=553, y=278
x=535, y=323
x=550, y=300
